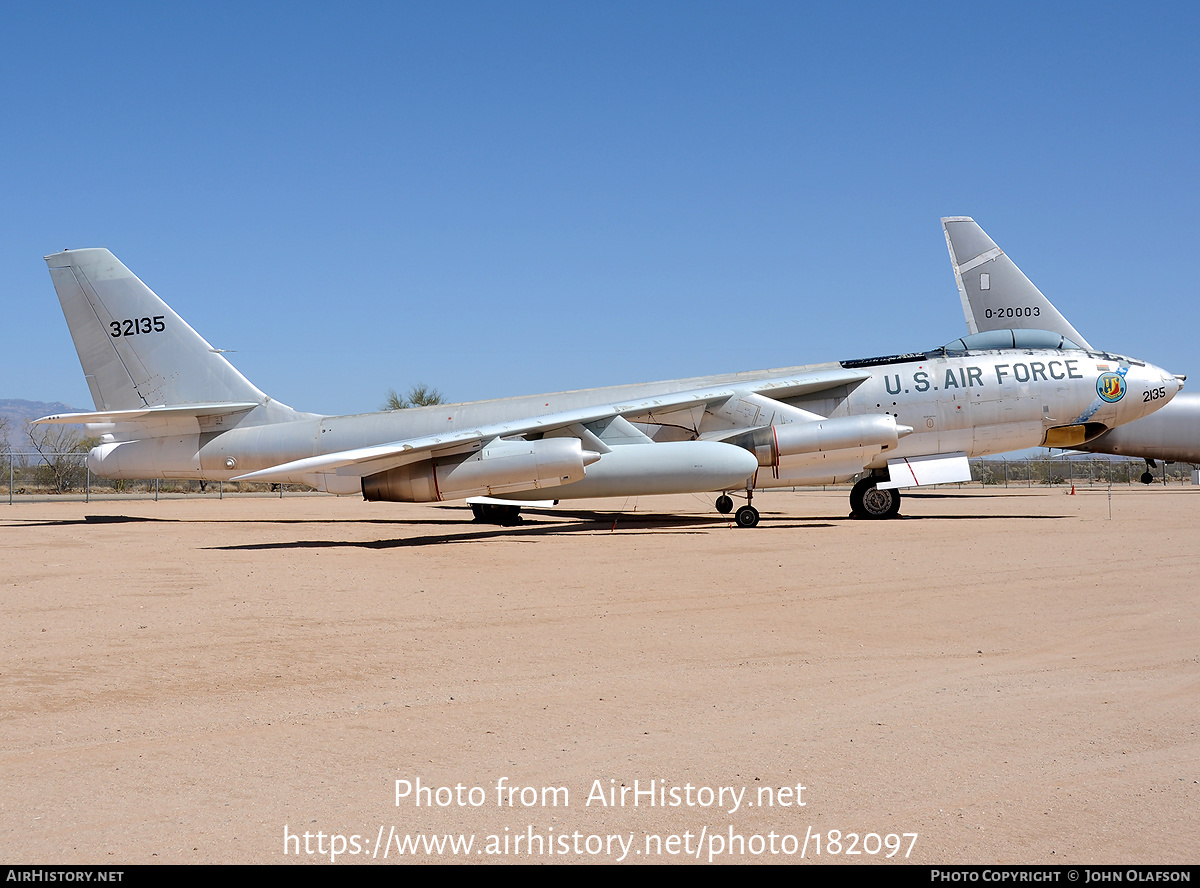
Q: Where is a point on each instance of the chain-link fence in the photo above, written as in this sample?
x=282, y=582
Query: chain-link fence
x=33, y=474
x=1076, y=471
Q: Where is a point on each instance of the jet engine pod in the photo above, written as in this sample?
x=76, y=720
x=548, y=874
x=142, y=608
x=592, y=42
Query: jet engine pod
x=172, y=456
x=500, y=467
x=822, y=436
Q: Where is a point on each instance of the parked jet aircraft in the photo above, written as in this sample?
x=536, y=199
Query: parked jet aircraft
x=996, y=295
x=168, y=405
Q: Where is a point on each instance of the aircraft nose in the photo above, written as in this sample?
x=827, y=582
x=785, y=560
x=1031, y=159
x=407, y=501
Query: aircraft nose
x=1158, y=387
x=1172, y=383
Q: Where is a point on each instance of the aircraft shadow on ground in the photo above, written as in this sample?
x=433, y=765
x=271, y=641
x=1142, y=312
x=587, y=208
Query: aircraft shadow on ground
x=534, y=525
x=532, y=529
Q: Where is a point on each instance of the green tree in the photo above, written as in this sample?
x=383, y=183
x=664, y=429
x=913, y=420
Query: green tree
x=419, y=395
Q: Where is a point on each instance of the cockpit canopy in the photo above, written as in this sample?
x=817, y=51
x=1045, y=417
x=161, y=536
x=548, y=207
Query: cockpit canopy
x=1007, y=339
x=977, y=342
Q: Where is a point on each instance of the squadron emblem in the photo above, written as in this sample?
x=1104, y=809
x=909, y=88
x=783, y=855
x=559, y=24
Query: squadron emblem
x=1110, y=387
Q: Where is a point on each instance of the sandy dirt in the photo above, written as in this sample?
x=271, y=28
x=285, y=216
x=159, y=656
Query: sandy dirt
x=1014, y=676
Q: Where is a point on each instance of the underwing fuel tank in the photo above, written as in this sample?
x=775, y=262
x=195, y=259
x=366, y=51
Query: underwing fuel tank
x=500, y=467
x=663, y=468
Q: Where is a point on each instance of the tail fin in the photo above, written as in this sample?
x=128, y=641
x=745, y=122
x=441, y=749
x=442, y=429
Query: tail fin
x=135, y=351
x=996, y=295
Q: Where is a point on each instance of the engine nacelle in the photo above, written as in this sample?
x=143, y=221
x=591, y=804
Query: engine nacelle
x=500, y=467
x=170, y=456
x=777, y=442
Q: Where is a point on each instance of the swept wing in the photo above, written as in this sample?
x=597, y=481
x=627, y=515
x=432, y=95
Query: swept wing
x=364, y=461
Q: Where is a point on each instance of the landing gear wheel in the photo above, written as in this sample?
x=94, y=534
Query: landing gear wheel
x=868, y=501
x=746, y=516
x=491, y=513
x=510, y=516
x=724, y=504
x=1147, y=478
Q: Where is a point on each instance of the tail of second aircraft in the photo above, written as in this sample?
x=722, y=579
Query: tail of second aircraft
x=135, y=351
x=996, y=295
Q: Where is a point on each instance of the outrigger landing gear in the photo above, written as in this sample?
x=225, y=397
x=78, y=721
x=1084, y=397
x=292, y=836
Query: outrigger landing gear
x=1147, y=476
x=724, y=504
x=868, y=501
x=491, y=513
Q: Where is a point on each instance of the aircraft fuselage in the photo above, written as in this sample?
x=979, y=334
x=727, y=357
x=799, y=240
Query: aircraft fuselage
x=976, y=403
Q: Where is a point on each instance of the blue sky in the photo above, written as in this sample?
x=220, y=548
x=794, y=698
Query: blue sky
x=507, y=198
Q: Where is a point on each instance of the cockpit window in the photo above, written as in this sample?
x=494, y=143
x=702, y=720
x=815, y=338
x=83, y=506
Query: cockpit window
x=992, y=339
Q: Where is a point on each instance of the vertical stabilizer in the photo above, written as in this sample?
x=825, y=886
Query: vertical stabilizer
x=995, y=294
x=135, y=351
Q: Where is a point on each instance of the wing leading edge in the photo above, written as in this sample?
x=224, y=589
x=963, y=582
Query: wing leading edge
x=371, y=460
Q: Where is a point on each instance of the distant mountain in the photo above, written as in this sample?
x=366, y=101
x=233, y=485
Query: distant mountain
x=19, y=411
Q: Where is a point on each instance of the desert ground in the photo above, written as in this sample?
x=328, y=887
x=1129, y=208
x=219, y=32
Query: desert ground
x=1013, y=676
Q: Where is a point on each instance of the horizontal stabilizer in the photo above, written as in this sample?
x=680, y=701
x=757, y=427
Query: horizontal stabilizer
x=146, y=414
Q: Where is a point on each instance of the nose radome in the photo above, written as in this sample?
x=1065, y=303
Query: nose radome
x=1171, y=383
x=1161, y=380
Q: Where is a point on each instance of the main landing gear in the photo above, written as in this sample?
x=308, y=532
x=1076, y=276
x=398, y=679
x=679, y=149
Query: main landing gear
x=746, y=516
x=1147, y=477
x=868, y=501
x=492, y=513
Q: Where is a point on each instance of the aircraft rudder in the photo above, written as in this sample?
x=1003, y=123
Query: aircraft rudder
x=134, y=349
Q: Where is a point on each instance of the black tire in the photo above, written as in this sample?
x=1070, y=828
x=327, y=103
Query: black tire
x=868, y=501
x=724, y=504
x=1147, y=478
x=492, y=513
x=747, y=516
